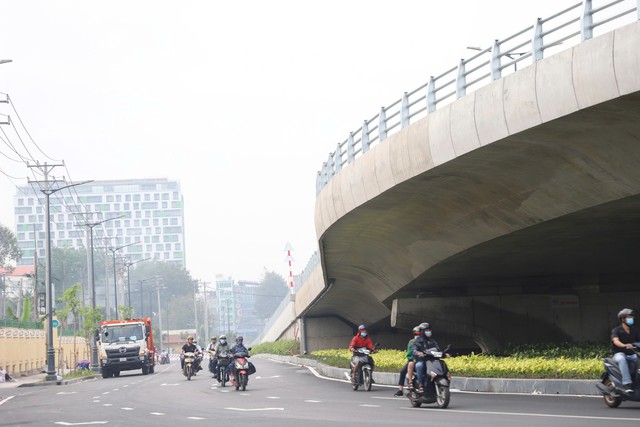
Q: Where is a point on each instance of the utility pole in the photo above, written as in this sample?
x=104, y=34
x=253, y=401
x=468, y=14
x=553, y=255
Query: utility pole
x=195, y=307
x=90, y=224
x=206, y=311
x=159, y=311
x=115, y=279
x=48, y=190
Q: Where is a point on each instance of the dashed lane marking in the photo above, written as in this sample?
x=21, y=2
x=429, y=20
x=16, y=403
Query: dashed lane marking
x=196, y=418
x=273, y=397
x=369, y=406
x=313, y=401
x=156, y=413
x=107, y=404
x=127, y=409
x=266, y=378
x=64, y=423
x=255, y=409
x=66, y=392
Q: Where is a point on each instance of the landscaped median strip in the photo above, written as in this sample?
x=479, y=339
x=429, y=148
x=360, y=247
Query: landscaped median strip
x=492, y=385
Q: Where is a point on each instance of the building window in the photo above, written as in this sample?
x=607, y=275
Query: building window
x=156, y=196
x=109, y=198
x=147, y=197
x=165, y=205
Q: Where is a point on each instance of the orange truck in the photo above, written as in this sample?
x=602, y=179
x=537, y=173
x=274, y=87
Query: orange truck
x=125, y=345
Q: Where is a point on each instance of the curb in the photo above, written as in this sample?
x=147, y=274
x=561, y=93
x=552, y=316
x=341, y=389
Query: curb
x=487, y=385
x=59, y=382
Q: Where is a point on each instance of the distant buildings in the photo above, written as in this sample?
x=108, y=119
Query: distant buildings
x=235, y=305
x=151, y=211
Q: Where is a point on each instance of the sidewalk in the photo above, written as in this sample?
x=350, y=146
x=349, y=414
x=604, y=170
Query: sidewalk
x=38, y=379
x=490, y=385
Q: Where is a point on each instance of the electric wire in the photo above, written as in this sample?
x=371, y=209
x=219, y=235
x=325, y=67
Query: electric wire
x=10, y=100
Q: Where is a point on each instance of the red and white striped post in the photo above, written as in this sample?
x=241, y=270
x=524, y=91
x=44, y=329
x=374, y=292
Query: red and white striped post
x=289, y=259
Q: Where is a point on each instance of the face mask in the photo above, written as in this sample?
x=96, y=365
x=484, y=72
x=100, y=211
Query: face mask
x=629, y=321
x=223, y=342
x=364, y=334
x=427, y=333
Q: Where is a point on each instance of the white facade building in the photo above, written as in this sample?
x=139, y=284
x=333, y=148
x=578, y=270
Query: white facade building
x=151, y=219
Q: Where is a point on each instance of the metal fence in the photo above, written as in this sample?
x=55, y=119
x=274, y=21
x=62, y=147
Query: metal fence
x=547, y=36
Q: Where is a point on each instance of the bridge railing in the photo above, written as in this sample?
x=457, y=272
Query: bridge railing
x=547, y=36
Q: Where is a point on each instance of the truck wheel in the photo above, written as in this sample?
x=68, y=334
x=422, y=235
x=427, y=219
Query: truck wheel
x=116, y=374
x=105, y=373
x=145, y=370
x=152, y=369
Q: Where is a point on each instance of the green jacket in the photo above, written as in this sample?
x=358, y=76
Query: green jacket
x=409, y=350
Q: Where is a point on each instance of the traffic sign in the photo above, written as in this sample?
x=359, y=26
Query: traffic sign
x=55, y=323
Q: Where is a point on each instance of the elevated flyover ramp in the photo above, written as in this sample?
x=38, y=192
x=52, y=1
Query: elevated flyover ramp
x=502, y=206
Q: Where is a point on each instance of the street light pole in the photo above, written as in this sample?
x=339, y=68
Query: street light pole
x=115, y=280
x=128, y=264
x=48, y=190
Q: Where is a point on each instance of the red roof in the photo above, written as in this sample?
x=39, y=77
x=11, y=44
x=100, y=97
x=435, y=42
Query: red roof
x=21, y=270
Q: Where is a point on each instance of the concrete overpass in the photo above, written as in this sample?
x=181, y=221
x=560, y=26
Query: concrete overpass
x=511, y=214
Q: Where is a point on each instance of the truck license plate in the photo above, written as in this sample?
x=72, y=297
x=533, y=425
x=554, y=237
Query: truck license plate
x=123, y=359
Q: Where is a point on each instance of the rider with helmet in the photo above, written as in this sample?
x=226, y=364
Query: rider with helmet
x=421, y=345
x=407, y=370
x=221, y=347
x=211, y=349
x=624, y=338
x=238, y=348
x=361, y=339
x=190, y=347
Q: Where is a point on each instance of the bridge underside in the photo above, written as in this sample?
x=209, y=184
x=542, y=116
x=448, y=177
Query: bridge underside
x=538, y=226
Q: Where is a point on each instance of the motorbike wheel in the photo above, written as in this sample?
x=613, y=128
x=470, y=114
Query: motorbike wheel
x=612, y=402
x=243, y=380
x=366, y=379
x=223, y=377
x=443, y=396
x=189, y=372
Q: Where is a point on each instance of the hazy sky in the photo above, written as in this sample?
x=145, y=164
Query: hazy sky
x=239, y=101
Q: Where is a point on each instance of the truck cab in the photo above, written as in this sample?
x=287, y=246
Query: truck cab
x=125, y=345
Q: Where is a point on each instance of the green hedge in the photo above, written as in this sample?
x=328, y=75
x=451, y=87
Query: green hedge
x=548, y=361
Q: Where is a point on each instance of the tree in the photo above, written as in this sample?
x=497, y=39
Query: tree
x=9, y=250
x=26, y=309
x=125, y=311
x=273, y=288
x=71, y=306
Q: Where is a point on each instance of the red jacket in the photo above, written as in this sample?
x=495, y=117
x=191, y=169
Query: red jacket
x=358, y=341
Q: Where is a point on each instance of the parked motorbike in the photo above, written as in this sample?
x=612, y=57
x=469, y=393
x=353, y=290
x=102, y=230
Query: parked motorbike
x=243, y=370
x=437, y=388
x=189, y=369
x=364, y=375
x=223, y=368
x=611, y=385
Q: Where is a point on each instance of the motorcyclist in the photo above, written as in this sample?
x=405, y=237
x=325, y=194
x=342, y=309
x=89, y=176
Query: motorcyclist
x=221, y=347
x=238, y=348
x=361, y=339
x=407, y=370
x=190, y=347
x=624, y=338
x=211, y=350
x=421, y=344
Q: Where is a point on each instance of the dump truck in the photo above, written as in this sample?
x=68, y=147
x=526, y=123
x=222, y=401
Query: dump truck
x=125, y=345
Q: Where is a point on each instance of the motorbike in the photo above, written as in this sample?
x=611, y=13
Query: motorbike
x=189, y=369
x=611, y=382
x=437, y=388
x=364, y=375
x=223, y=368
x=243, y=370
x=164, y=358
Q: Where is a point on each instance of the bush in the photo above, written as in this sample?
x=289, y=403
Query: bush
x=283, y=348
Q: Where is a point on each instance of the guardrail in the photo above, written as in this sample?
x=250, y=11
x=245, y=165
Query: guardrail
x=546, y=37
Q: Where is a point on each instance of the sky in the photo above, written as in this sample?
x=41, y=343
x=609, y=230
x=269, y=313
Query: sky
x=241, y=102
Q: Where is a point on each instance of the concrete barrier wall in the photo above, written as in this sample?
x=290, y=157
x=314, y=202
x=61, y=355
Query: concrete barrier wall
x=25, y=350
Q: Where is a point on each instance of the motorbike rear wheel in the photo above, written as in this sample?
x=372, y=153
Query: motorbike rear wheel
x=243, y=379
x=443, y=396
x=612, y=402
x=189, y=372
x=366, y=379
x=223, y=377
x=356, y=382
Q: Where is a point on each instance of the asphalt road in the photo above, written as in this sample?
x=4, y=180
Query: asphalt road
x=281, y=394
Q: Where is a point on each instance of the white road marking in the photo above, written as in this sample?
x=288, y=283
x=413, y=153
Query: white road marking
x=66, y=392
x=107, y=404
x=8, y=398
x=370, y=406
x=96, y=401
x=525, y=414
x=255, y=409
x=195, y=418
x=96, y=397
x=313, y=401
x=169, y=384
x=106, y=392
x=116, y=389
x=156, y=413
x=64, y=423
x=273, y=397
x=126, y=385
x=264, y=378
x=127, y=409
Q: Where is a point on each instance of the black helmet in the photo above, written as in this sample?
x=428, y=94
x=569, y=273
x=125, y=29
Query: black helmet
x=239, y=338
x=625, y=312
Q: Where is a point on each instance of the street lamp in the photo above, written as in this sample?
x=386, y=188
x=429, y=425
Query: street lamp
x=115, y=280
x=48, y=191
x=129, y=263
x=4, y=61
x=140, y=282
